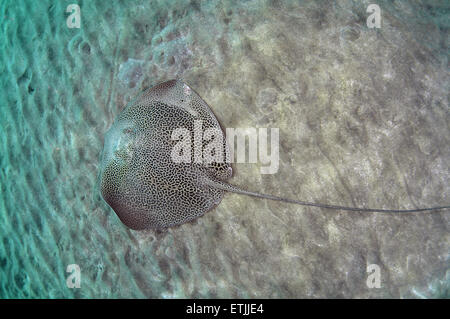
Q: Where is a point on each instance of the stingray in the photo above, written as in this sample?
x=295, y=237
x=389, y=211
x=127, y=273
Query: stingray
x=142, y=183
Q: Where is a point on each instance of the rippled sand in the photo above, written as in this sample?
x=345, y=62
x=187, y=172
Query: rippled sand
x=363, y=117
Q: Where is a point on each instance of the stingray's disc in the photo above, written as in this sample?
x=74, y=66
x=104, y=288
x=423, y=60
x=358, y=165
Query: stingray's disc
x=139, y=178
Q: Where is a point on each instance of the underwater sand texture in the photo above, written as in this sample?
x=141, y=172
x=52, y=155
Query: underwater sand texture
x=363, y=117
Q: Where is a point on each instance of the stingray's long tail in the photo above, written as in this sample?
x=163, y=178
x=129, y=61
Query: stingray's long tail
x=231, y=188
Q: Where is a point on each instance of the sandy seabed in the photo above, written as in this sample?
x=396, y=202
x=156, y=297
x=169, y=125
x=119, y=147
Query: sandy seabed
x=363, y=117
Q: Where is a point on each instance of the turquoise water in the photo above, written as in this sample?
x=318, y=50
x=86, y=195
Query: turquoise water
x=363, y=117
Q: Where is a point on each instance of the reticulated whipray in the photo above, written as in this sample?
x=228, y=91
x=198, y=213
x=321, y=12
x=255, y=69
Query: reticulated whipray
x=148, y=189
